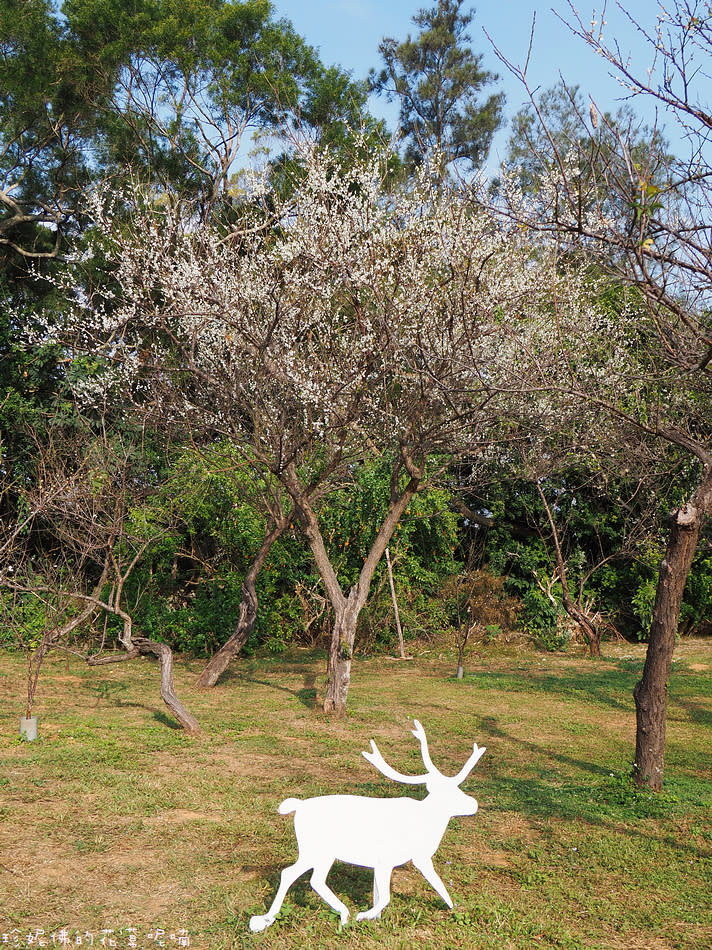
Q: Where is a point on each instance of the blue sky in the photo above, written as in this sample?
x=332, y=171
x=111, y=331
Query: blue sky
x=348, y=32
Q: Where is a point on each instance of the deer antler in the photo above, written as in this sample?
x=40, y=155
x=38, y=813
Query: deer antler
x=477, y=753
x=419, y=734
x=377, y=760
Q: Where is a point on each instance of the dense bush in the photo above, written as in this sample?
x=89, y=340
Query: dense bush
x=598, y=529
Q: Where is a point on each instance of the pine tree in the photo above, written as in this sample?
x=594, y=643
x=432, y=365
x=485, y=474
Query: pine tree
x=439, y=81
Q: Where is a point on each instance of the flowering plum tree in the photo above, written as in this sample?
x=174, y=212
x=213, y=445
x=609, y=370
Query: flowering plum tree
x=348, y=320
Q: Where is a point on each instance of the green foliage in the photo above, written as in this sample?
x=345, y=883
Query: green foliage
x=161, y=89
x=201, y=75
x=34, y=397
x=195, y=619
x=187, y=590
x=23, y=621
x=696, y=610
x=696, y=606
x=45, y=122
x=642, y=602
x=593, y=522
x=285, y=588
x=515, y=550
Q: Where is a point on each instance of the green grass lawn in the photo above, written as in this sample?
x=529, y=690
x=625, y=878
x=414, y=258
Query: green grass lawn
x=115, y=820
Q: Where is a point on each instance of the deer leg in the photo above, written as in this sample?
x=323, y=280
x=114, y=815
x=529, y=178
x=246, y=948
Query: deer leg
x=381, y=893
x=318, y=882
x=289, y=875
x=425, y=866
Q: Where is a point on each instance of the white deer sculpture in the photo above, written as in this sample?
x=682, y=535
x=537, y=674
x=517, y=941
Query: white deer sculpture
x=378, y=833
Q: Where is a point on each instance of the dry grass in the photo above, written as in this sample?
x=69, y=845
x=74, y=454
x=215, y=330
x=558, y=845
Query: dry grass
x=115, y=819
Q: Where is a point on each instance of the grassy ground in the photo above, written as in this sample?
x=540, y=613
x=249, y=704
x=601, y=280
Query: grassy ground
x=114, y=820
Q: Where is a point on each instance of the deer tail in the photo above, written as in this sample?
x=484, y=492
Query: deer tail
x=288, y=806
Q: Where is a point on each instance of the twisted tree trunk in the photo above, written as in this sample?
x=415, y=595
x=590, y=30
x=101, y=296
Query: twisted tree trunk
x=217, y=665
x=135, y=646
x=168, y=693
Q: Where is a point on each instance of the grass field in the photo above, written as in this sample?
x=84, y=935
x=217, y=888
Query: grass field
x=117, y=827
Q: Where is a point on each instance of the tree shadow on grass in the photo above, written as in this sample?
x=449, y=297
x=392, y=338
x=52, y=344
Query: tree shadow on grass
x=307, y=695
x=695, y=711
x=166, y=720
x=108, y=691
x=490, y=726
x=590, y=794
x=606, y=684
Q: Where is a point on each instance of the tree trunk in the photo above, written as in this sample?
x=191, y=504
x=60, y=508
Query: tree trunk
x=168, y=693
x=462, y=638
x=217, y=665
x=347, y=608
x=220, y=661
x=651, y=692
x=338, y=670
